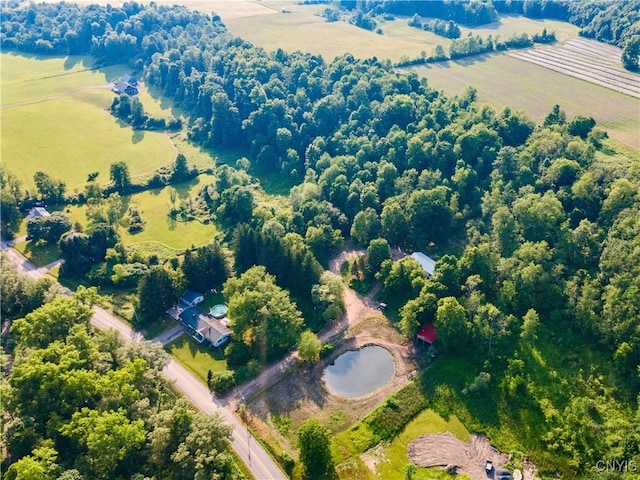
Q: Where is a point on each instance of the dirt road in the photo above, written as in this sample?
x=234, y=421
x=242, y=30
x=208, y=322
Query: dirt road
x=357, y=308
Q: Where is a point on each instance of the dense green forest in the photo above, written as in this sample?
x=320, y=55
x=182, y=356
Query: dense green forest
x=536, y=227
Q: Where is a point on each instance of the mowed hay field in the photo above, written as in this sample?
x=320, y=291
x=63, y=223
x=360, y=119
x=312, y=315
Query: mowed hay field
x=301, y=28
x=55, y=119
x=502, y=80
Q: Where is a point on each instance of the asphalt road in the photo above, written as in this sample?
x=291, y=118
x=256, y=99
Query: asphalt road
x=248, y=449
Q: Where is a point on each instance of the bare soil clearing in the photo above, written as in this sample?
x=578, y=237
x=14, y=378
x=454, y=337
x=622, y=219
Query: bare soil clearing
x=586, y=60
x=445, y=450
x=304, y=394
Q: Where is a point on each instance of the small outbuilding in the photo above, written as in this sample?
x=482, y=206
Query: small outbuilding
x=38, y=212
x=427, y=333
x=191, y=298
x=427, y=263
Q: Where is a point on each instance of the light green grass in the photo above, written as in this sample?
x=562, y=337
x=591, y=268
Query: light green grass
x=197, y=358
x=302, y=30
x=28, y=78
x=505, y=81
x=55, y=119
x=392, y=457
x=154, y=206
x=40, y=255
x=508, y=26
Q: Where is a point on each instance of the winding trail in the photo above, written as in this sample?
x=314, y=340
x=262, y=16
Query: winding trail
x=357, y=308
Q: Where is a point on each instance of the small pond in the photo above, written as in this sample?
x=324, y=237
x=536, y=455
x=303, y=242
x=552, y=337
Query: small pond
x=359, y=372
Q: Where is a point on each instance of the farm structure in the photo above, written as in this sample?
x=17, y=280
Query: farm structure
x=427, y=333
x=127, y=85
x=191, y=298
x=427, y=263
x=37, y=212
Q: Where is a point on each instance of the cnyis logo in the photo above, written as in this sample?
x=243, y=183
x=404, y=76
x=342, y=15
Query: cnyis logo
x=617, y=465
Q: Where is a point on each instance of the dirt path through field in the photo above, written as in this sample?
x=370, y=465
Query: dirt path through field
x=55, y=97
x=357, y=308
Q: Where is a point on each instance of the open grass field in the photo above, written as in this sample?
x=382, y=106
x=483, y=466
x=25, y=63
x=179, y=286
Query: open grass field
x=502, y=80
x=46, y=105
x=197, y=358
x=154, y=206
x=387, y=461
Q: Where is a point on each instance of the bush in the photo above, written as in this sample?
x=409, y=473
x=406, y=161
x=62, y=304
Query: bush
x=327, y=349
x=222, y=382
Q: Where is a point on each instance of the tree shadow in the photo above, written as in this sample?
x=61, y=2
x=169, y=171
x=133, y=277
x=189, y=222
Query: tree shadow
x=137, y=137
x=165, y=102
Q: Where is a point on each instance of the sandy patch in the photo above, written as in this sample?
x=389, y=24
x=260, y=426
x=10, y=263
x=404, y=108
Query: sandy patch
x=445, y=450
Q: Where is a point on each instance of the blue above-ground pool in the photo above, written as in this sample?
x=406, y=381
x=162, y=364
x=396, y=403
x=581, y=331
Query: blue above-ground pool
x=218, y=311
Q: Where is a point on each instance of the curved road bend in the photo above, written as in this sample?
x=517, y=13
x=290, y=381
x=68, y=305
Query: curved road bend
x=248, y=449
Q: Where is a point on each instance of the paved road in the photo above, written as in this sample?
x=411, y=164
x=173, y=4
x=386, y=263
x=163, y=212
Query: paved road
x=250, y=451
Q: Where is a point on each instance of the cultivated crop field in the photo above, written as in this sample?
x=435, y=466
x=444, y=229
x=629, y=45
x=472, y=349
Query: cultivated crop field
x=502, y=80
x=587, y=60
x=47, y=103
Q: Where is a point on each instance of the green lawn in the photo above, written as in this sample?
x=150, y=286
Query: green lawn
x=196, y=357
x=427, y=422
x=47, y=104
x=40, y=255
x=162, y=234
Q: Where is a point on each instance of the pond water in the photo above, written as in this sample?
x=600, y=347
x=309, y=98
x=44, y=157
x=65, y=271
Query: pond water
x=359, y=372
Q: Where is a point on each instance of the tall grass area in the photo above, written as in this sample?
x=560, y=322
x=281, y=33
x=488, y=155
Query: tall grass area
x=54, y=119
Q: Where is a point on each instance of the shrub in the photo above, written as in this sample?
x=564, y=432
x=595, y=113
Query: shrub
x=222, y=382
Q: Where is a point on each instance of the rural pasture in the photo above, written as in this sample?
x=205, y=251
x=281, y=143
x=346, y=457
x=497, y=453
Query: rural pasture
x=47, y=104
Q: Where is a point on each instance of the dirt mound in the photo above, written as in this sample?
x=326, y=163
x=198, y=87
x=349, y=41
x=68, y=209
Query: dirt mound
x=445, y=450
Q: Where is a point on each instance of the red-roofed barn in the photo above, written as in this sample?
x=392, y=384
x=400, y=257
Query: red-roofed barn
x=427, y=333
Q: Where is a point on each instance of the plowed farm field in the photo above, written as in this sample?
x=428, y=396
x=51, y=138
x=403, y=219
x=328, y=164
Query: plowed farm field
x=587, y=60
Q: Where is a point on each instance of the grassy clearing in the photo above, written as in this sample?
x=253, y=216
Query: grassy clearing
x=63, y=95
x=158, y=327
x=394, y=455
x=154, y=206
x=505, y=81
x=197, y=358
x=303, y=30
x=162, y=234
x=40, y=255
